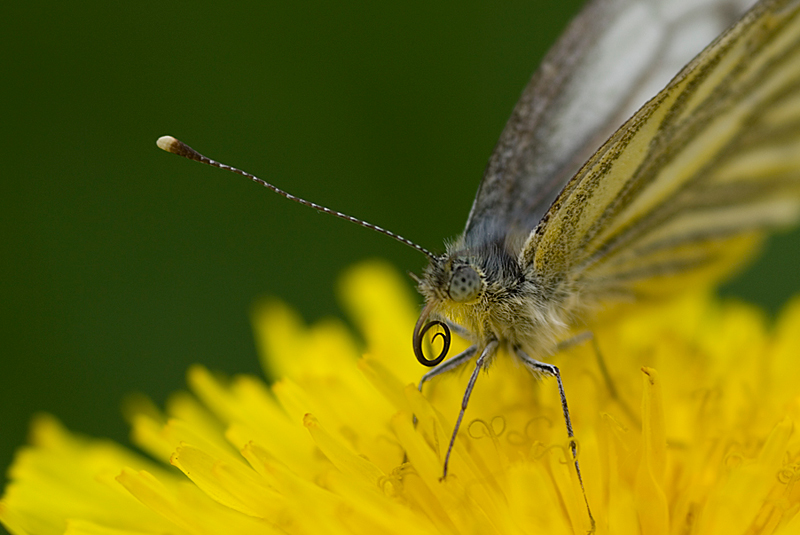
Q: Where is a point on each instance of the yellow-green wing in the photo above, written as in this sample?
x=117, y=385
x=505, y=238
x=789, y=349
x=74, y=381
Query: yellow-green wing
x=687, y=186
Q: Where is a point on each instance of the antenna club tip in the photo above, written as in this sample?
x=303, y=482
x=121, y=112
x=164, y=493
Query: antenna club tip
x=169, y=144
x=176, y=146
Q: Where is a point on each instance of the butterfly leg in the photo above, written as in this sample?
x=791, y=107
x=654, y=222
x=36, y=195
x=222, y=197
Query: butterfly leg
x=601, y=364
x=487, y=353
x=576, y=340
x=448, y=365
x=548, y=369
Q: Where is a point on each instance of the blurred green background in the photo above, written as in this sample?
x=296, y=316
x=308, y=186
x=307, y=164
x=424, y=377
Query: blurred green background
x=122, y=265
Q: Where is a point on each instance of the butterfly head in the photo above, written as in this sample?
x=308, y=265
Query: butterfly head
x=453, y=285
x=452, y=282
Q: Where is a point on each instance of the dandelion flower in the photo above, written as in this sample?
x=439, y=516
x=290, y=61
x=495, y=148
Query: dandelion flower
x=706, y=444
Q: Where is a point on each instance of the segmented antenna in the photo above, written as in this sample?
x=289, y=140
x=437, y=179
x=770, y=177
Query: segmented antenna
x=170, y=144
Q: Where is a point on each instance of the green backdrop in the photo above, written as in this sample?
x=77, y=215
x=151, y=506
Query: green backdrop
x=122, y=265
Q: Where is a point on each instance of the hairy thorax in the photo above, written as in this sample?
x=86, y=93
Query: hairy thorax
x=485, y=290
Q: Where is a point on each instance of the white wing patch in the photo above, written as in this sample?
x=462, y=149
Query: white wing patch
x=691, y=181
x=614, y=57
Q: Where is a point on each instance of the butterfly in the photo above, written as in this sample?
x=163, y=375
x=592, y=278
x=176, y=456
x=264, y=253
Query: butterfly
x=616, y=179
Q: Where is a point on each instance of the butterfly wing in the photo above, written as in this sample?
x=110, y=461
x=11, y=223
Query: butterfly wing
x=689, y=184
x=614, y=56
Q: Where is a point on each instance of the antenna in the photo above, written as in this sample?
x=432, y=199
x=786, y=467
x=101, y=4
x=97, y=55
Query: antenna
x=170, y=144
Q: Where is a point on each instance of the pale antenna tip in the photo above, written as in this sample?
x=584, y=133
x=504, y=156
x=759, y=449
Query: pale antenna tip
x=175, y=146
x=169, y=144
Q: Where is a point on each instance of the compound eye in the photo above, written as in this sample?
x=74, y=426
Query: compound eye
x=465, y=284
